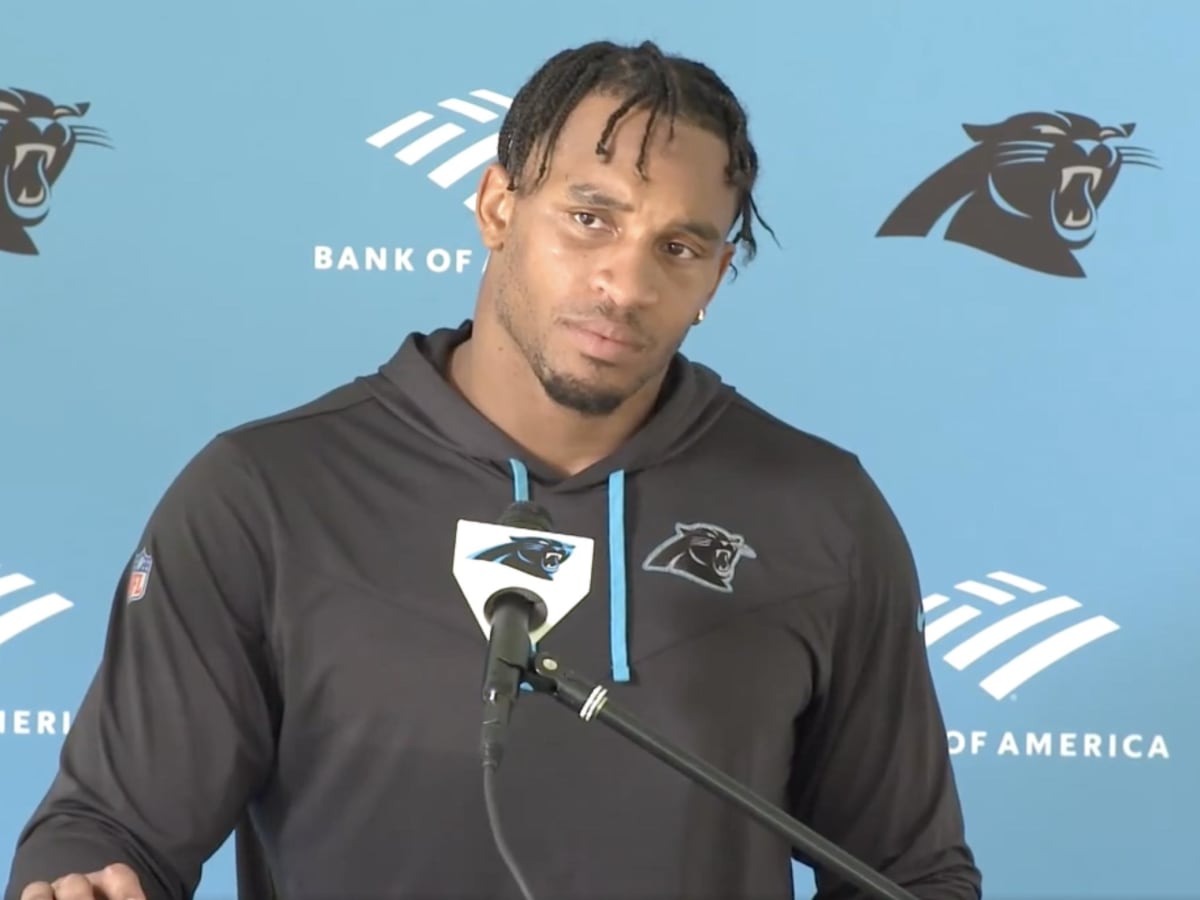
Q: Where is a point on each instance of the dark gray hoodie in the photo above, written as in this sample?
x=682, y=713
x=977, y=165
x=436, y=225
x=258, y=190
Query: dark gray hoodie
x=288, y=643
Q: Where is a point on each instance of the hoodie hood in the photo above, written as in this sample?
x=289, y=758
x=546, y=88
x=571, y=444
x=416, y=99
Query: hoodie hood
x=413, y=386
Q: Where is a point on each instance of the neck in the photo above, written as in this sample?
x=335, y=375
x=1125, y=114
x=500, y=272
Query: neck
x=493, y=376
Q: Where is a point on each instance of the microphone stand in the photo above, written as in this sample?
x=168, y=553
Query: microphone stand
x=590, y=700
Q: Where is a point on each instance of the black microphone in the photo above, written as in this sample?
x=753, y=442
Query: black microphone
x=513, y=613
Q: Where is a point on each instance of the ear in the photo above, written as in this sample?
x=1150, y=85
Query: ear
x=978, y=133
x=493, y=206
x=723, y=264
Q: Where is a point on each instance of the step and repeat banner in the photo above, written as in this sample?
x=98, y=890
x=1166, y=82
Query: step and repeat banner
x=984, y=285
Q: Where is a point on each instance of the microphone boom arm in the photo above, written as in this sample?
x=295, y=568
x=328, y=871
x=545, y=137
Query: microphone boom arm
x=590, y=700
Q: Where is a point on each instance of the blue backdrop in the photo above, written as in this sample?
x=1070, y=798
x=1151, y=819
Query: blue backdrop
x=1036, y=431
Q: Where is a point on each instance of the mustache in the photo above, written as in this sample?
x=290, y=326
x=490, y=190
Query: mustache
x=594, y=314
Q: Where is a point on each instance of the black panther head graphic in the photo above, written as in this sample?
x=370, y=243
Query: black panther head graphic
x=706, y=554
x=37, y=140
x=1030, y=189
x=536, y=556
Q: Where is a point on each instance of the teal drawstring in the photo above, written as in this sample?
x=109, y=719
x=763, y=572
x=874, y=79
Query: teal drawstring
x=618, y=623
x=618, y=639
x=520, y=481
x=520, y=495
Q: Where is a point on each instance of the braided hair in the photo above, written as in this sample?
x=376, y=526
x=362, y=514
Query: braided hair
x=643, y=77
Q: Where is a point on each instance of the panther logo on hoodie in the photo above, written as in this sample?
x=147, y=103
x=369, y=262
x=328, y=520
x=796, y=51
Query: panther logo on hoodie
x=703, y=553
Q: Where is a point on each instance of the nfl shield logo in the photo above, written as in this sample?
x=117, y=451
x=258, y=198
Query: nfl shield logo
x=139, y=577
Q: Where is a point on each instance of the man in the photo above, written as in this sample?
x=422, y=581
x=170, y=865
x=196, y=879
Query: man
x=288, y=643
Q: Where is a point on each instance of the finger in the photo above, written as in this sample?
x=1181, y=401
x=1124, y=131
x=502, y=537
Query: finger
x=73, y=887
x=118, y=882
x=38, y=890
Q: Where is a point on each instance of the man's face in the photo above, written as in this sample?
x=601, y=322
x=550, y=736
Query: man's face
x=600, y=273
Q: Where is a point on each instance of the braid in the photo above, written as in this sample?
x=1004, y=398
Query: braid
x=643, y=77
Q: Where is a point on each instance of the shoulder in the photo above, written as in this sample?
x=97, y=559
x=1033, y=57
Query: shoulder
x=815, y=488
x=787, y=455
x=302, y=422
x=233, y=465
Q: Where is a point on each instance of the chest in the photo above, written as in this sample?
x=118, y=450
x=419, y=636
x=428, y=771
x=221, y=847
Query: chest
x=376, y=644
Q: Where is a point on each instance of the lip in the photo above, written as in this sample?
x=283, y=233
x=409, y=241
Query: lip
x=603, y=341
x=613, y=333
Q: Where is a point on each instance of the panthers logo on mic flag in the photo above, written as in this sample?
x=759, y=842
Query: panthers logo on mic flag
x=490, y=557
x=539, y=556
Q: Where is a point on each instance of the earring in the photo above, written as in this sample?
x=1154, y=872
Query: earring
x=699, y=317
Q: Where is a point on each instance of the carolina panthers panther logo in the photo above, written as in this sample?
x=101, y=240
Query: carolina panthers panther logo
x=705, y=554
x=539, y=557
x=36, y=143
x=1030, y=189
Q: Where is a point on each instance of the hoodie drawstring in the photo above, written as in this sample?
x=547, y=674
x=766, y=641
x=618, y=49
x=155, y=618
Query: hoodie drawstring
x=618, y=626
x=520, y=481
x=618, y=639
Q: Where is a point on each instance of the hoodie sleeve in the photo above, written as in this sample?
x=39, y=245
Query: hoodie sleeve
x=872, y=769
x=175, y=731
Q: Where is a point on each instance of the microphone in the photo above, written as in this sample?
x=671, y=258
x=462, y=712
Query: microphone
x=514, y=612
x=520, y=579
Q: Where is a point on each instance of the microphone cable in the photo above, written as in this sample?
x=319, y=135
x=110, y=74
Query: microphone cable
x=493, y=814
x=521, y=514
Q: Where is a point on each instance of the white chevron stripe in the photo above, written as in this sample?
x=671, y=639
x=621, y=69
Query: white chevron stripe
x=1007, y=628
x=943, y=625
x=1023, y=584
x=470, y=110
x=985, y=592
x=492, y=97
x=385, y=136
x=31, y=614
x=1041, y=656
x=933, y=601
x=14, y=582
x=427, y=143
x=462, y=163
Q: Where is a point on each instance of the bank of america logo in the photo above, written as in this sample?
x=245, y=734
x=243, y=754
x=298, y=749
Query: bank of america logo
x=428, y=141
x=1017, y=598
x=31, y=608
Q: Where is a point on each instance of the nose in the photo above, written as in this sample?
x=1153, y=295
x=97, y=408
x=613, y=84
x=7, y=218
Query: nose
x=48, y=129
x=1087, y=146
x=627, y=275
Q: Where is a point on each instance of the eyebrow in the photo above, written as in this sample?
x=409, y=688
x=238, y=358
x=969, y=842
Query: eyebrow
x=592, y=195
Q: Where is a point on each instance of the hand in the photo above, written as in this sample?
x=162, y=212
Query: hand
x=115, y=882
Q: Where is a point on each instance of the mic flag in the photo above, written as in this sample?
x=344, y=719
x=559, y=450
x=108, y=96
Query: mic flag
x=491, y=559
